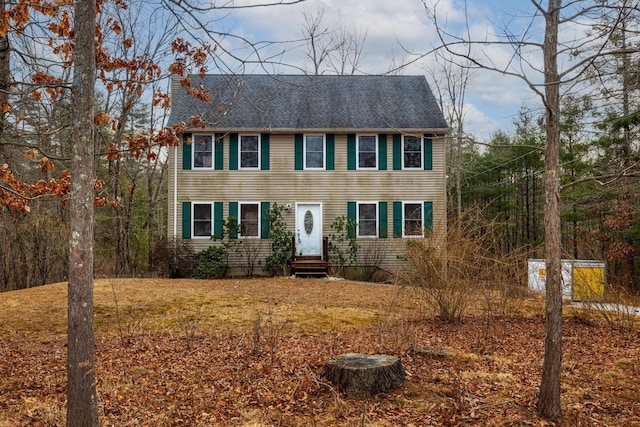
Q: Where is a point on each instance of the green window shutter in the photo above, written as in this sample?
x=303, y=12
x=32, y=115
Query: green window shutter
x=382, y=220
x=233, y=218
x=219, y=152
x=331, y=151
x=428, y=217
x=351, y=152
x=397, y=219
x=299, y=151
x=351, y=214
x=428, y=153
x=264, y=151
x=233, y=152
x=186, y=152
x=382, y=152
x=186, y=220
x=264, y=227
x=397, y=152
x=218, y=218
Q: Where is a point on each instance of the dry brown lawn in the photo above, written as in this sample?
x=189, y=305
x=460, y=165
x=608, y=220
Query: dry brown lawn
x=250, y=352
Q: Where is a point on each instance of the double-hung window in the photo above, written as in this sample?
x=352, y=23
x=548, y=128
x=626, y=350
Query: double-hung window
x=412, y=152
x=202, y=151
x=314, y=149
x=249, y=151
x=202, y=219
x=367, y=152
x=367, y=222
x=250, y=219
x=412, y=219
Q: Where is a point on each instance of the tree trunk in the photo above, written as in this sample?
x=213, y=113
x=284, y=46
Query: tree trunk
x=5, y=77
x=549, y=399
x=361, y=375
x=116, y=220
x=82, y=408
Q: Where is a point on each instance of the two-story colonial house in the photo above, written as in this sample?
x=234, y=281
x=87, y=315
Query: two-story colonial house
x=369, y=148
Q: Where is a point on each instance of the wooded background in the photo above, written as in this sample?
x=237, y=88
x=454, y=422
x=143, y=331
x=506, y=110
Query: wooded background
x=501, y=177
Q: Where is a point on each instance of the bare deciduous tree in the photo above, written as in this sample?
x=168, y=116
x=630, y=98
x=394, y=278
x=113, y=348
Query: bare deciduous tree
x=546, y=81
x=336, y=50
x=128, y=176
x=66, y=39
x=317, y=37
x=348, y=50
x=451, y=85
x=5, y=73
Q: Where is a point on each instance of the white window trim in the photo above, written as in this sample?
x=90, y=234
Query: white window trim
x=358, y=167
x=240, y=167
x=193, y=152
x=421, y=204
x=193, y=219
x=358, y=219
x=240, y=204
x=324, y=152
x=421, y=153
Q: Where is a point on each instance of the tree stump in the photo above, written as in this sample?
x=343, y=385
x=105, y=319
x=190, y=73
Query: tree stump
x=362, y=375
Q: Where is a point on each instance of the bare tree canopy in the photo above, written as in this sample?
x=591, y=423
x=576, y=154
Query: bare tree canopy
x=554, y=63
x=336, y=50
x=70, y=53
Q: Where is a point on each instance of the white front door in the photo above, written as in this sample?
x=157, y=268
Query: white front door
x=309, y=229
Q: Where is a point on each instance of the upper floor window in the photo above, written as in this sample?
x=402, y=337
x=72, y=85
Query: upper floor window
x=412, y=152
x=367, y=219
x=249, y=151
x=367, y=152
x=249, y=219
x=202, y=151
x=412, y=219
x=314, y=149
x=202, y=219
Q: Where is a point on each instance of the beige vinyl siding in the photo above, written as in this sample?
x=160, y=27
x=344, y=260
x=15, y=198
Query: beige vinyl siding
x=333, y=188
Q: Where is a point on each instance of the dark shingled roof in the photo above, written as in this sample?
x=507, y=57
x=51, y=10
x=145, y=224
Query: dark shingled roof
x=287, y=102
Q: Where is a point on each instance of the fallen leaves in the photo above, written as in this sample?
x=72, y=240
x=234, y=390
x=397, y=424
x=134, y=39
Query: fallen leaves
x=219, y=377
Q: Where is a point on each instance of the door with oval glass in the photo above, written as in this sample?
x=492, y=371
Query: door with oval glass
x=309, y=229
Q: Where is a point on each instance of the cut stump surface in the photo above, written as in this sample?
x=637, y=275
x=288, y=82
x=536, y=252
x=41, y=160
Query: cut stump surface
x=363, y=375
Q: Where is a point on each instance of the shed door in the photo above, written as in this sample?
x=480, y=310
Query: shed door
x=309, y=229
x=588, y=283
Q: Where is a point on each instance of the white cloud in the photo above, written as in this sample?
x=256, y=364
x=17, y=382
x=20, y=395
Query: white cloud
x=394, y=31
x=390, y=28
x=479, y=124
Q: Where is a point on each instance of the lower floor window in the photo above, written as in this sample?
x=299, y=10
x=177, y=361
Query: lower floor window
x=250, y=220
x=367, y=219
x=412, y=219
x=202, y=218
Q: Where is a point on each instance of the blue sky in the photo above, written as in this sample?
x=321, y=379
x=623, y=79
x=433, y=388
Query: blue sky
x=394, y=31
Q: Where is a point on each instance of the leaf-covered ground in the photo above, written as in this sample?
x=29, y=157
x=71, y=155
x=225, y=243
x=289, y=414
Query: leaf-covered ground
x=250, y=353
